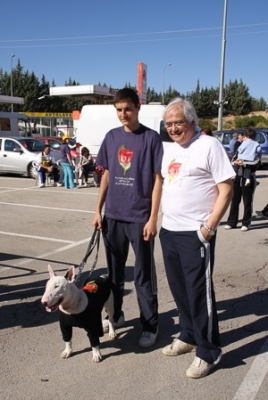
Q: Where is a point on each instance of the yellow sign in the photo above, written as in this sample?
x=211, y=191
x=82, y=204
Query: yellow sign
x=48, y=114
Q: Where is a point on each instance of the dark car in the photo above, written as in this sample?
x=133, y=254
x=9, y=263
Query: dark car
x=261, y=136
x=55, y=142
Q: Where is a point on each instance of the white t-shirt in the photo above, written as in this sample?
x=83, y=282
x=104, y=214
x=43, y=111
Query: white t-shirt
x=42, y=157
x=191, y=173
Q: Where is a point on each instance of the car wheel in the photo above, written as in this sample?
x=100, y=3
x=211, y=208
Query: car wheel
x=32, y=173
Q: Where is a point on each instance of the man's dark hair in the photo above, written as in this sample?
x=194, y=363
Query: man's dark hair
x=46, y=146
x=250, y=133
x=126, y=94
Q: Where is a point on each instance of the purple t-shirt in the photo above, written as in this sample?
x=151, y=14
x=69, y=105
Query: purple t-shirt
x=132, y=158
x=64, y=150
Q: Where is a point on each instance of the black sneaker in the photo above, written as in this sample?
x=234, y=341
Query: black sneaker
x=263, y=213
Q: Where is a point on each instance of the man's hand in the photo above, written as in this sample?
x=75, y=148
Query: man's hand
x=149, y=231
x=97, y=221
x=205, y=233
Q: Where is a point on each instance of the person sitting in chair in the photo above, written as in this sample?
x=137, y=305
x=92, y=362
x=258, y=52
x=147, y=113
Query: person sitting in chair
x=46, y=164
x=85, y=166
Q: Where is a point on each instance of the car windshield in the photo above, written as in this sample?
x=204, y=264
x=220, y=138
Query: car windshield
x=32, y=145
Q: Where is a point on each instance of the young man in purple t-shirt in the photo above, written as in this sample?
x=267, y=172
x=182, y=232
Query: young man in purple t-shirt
x=131, y=188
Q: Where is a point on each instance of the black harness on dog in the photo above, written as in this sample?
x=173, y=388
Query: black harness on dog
x=97, y=292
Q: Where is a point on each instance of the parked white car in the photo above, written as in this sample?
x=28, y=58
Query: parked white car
x=18, y=153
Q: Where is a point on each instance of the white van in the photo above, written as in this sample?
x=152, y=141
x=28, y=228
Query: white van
x=14, y=124
x=96, y=120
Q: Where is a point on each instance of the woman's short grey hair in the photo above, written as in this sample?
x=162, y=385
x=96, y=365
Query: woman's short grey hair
x=186, y=106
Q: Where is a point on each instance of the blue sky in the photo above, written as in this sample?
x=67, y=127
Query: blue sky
x=103, y=41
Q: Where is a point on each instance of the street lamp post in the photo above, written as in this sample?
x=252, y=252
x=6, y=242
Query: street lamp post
x=11, y=83
x=163, y=94
x=221, y=101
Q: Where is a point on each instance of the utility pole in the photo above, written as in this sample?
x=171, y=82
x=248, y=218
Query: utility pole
x=221, y=101
x=11, y=83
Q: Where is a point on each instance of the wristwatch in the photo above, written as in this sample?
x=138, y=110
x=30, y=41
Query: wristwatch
x=211, y=232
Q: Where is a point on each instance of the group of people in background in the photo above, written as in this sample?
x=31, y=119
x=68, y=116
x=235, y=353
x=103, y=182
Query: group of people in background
x=245, y=153
x=68, y=169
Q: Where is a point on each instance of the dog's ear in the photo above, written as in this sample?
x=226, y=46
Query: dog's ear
x=70, y=275
x=50, y=270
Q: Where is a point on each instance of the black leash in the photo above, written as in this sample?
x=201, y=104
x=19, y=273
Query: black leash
x=94, y=242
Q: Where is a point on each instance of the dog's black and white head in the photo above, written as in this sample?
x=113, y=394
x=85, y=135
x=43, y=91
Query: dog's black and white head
x=56, y=289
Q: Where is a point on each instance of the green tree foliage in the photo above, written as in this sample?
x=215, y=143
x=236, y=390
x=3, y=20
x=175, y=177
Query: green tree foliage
x=171, y=94
x=28, y=86
x=253, y=121
x=258, y=104
x=152, y=96
x=206, y=123
x=238, y=97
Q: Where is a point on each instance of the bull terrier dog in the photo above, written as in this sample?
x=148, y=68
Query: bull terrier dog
x=81, y=308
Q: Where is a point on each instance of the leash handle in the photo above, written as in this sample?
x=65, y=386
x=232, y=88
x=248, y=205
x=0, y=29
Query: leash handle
x=94, y=241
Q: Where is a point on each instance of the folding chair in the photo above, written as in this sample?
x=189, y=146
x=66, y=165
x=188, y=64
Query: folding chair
x=48, y=175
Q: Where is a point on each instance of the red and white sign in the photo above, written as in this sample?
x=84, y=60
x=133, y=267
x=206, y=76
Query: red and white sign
x=142, y=82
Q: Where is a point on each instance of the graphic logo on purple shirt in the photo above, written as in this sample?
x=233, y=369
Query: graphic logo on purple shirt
x=125, y=157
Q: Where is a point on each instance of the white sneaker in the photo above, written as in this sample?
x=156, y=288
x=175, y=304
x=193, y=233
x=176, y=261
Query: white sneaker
x=118, y=324
x=178, y=347
x=227, y=227
x=244, y=228
x=200, y=368
x=42, y=185
x=59, y=184
x=148, y=338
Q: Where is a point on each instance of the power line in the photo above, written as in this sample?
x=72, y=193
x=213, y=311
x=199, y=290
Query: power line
x=124, y=42
x=130, y=34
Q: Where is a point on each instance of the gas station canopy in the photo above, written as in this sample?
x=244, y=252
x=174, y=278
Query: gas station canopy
x=11, y=100
x=85, y=92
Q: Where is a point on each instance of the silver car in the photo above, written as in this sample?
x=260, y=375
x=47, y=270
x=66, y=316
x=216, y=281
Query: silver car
x=18, y=153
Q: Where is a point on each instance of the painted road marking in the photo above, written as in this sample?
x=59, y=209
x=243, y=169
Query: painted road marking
x=36, y=237
x=47, y=208
x=69, y=246
x=252, y=382
x=26, y=261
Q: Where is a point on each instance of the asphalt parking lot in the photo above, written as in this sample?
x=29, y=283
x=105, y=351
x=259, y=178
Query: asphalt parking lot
x=53, y=226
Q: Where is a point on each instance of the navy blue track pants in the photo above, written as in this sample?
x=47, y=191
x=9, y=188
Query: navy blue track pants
x=189, y=265
x=117, y=235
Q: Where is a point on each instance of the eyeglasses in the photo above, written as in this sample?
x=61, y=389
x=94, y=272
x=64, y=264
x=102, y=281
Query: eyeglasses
x=177, y=124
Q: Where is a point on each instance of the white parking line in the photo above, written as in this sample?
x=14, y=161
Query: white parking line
x=47, y=208
x=8, y=189
x=26, y=261
x=255, y=376
x=61, y=249
x=35, y=237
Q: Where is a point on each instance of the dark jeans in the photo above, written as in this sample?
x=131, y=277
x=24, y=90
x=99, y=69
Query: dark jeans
x=245, y=193
x=87, y=169
x=42, y=175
